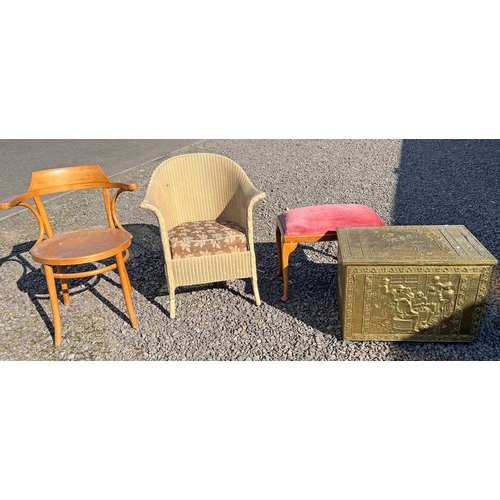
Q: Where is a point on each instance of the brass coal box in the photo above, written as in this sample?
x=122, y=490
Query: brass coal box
x=412, y=283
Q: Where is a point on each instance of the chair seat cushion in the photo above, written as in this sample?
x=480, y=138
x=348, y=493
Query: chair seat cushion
x=325, y=219
x=208, y=237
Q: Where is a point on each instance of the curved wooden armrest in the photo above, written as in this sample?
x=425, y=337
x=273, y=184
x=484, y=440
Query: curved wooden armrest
x=12, y=202
x=125, y=187
x=121, y=188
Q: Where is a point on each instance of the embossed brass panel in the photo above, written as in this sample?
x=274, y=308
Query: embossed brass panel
x=412, y=283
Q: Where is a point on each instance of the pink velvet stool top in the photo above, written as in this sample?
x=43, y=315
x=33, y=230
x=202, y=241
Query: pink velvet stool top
x=325, y=219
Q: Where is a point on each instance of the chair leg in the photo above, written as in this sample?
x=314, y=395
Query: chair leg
x=255, y=285
x=288, y=248
x=171, y=291
x=171, y=294
x=172, y=306
x=127, y=289
x=54, y=302
x=279, y=251
x=64, y=286
x=256, y=291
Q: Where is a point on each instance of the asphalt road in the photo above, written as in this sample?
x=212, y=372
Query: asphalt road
x=20, y=157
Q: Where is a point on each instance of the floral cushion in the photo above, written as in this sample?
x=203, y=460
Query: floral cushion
x=208, y=237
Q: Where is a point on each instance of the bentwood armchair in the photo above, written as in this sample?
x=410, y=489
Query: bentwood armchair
x=77, y=247
x=204, y=204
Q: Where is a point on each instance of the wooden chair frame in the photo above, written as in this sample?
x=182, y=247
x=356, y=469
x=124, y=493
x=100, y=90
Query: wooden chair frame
x=108, y=242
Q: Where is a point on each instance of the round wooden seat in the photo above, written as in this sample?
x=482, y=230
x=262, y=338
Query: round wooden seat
x=80, y=247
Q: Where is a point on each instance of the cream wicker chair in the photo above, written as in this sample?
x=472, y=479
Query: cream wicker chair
x=204, y=204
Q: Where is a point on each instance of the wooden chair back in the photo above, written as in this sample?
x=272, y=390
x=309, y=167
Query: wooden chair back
x=58, y=180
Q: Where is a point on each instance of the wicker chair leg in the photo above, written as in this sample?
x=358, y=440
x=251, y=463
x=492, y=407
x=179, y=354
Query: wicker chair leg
x=256, y=291
x=172, y=304
x=171, y=293
x=171, y=289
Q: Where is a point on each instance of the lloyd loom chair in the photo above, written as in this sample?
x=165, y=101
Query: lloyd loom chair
x=204, y=204
x=77, y=247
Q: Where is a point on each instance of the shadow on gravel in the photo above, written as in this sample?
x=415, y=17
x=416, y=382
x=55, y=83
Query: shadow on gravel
x=312, y=285
x=454, y=182
x=146, y=265
x=33, y=283
x=451, y=182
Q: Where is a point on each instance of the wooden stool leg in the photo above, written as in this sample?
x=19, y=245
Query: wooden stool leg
x=288, y=248
x=64, y=286
x=127, y=289
x=279, y=251
x=54, y=302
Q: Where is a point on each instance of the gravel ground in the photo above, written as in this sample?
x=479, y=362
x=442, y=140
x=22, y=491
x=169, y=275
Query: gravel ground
x=406, y=182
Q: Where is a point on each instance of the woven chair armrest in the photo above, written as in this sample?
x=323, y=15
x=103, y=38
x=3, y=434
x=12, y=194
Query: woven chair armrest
x=249, y=192
x=252, y=197
x=161, y=222
x=257, y=196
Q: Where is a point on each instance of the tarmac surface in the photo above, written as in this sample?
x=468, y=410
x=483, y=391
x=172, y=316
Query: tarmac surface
x=407, y=182
x=20, y=157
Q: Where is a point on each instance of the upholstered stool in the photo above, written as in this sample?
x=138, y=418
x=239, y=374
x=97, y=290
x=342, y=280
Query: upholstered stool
x=316, y=223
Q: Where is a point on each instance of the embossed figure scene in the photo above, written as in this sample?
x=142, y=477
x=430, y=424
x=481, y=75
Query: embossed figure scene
x=420, y=305
x=413, y=306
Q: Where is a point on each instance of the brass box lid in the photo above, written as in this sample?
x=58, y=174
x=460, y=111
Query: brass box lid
x=422, y=245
